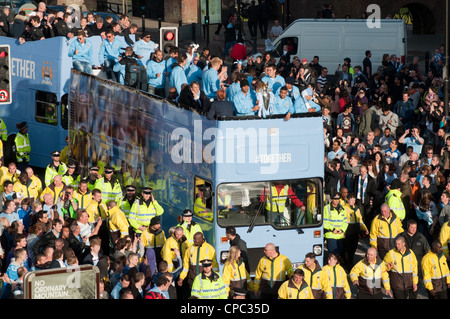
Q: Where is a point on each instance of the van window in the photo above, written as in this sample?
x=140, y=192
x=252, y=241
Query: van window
x=291, y=42
x=46, y=108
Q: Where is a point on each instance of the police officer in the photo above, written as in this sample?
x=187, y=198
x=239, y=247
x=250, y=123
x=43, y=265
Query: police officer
x=208, y=284
x=56, y=167
x=129, y=199
x=335, y=224
x=110, y=187
x=92, y=177
x=190, y=228
x=23, y=146
x=143, y=210
x=71, y=177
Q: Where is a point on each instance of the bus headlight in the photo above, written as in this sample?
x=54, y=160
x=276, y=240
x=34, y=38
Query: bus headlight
x=317, y=250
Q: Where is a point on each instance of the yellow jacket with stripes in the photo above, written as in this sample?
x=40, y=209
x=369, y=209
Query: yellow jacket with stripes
x=235, y=275
x=290, y=290
x=370, y=276
x=444, y=237
x=118, y=221
x=192, y=257
x=271, y=273
x=334, y=282
x=435, y=272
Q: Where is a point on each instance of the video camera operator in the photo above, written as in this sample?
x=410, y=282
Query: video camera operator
x=131, y=72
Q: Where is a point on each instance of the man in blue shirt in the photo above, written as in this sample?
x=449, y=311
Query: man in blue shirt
x=81, y=52
x=272, y=79
x=212, y=80
x=304, y=104
x=156, y=74
x=282, y=103
x=244, y=102
x=144, y=48
x=414, y=140
x=110, y=50
x=177, y=76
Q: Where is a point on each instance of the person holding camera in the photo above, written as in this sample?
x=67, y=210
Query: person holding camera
x=69, y=204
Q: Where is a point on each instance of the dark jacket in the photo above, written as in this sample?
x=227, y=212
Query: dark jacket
x=77, y=246
x=417, y=243
x=220, y=108
x=370, y=189
x=242, y=245
x=46, y=240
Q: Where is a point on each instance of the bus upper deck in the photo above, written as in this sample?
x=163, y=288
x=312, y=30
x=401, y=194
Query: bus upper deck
x=192, y=162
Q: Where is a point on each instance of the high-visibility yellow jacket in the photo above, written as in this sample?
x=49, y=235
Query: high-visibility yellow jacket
x=168, y=254
x=96, y=210
x=152, y=240
x=125, y=205
x=110, y=190
x=290, y=290
x=435, y=272
x=383, y=231
x=209, y=287
x=3, y=130
x=354, y=216
x=71, y=179
x=235, y=275
x=444, y=237
x=370, y=276
x=51, y=171
x=83, y=199
x=28, y=190
x=312, y=278
x=118, y=221
x=278, y=202
x=403, y=273
x=54, y=191
x=23, y=147
x=334, y=282
x=190, y=230
x=7, y=176
x=394, y=200
x=192, y=257
x=334, y=218
x=38, y=183
x=141, y=214
x=271, y=273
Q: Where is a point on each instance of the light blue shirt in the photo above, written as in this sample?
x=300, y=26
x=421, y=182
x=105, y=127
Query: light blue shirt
x=153, y=68
x=232, y=90
x=10, y=217
x=111, y=51
x=282, y=106
x=300, y=106
x=194, y=73
x=414, y=142
x=85, y=51
x=144, y=49
x=275, y=83
x=177, y=78
x=243, y=104
x=210, y=83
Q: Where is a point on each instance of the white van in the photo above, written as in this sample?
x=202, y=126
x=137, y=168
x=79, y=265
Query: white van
x=333, y=40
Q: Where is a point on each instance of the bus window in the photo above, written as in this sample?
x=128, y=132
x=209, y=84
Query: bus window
x=65, y=111
x=284, y=204
x=46, y=108
x=291, y=45
x=203, y=199
x=178, y=190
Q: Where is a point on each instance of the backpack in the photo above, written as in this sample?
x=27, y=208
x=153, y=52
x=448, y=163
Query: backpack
x=132, y=71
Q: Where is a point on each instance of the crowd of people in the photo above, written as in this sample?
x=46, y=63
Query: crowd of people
x=387, y=168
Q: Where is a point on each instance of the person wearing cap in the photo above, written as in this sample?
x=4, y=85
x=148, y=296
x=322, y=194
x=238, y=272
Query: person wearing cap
x=109, y=186
x=143, y=210
x=192, y=266
x=245, y=102
x=335, y=223
x=118, y=223
x=82, y=194
x=92, y=177
x=23, y=146
x=25, y=186
x=128, y=200
x=208, y=284
x=394, y=199
x=273, y=269
x=56, y=167
x=70, y=177
x=154, y=237
x=383, y=230
x=190, y=228
x=296, y=287
x=272, y=79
